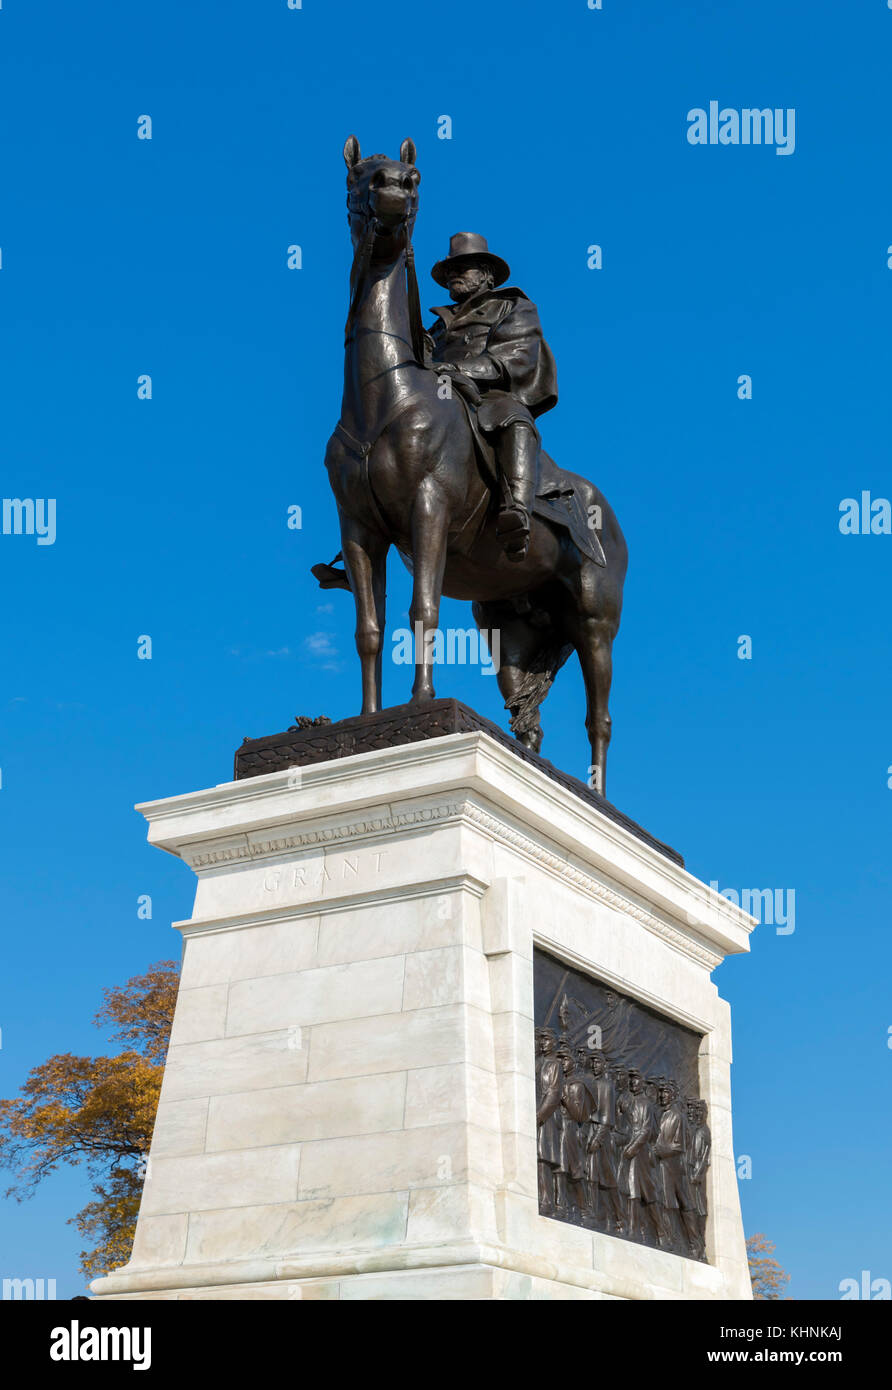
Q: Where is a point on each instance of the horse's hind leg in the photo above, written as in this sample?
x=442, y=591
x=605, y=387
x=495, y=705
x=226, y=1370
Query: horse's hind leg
x=591, y=624
x=593, y=641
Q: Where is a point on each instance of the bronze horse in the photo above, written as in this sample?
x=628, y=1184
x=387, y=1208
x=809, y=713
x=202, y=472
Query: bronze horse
x=405, y=471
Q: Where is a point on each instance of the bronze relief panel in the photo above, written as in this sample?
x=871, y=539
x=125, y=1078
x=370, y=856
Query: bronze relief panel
x=622, y=1133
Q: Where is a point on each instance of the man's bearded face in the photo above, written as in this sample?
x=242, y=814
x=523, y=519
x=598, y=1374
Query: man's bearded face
x=463, y=283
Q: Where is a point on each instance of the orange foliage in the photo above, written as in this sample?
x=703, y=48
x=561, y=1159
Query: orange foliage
x=768, y=1279
x=98, y=1111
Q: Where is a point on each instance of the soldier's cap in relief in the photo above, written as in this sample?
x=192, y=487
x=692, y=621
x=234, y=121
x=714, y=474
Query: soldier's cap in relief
x=466, y=249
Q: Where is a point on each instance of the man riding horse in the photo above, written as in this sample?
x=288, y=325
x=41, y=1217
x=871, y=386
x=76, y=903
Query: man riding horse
x=491, y=337
x=409, y=468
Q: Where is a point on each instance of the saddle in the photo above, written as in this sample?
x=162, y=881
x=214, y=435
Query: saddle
x=556, y=501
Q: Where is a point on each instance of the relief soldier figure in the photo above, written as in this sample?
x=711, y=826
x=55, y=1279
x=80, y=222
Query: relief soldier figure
x=669, y=1149
x=575, y=1110
x=621, y=1129
x=491, y=336
x=600, y=1170
x=549, y=1084
x=700, y=1150
x=644, y=1210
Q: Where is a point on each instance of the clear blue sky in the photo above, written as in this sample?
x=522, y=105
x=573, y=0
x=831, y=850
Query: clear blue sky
x=122, y=257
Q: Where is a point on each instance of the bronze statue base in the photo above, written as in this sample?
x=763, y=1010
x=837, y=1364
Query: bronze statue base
x=319, y=741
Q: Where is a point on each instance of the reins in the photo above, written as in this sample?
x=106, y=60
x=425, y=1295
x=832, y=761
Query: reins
x=358, y=273
x=415, y=323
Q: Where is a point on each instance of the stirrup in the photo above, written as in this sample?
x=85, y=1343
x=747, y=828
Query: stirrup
x=330, y=577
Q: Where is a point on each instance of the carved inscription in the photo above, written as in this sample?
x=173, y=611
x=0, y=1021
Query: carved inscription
x=321, y=874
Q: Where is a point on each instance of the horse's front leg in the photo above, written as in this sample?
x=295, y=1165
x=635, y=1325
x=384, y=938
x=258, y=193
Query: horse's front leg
x=430, y=527
x=365, y=560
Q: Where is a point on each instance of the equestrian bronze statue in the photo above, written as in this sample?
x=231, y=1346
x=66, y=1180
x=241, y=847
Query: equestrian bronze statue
x=437, y=453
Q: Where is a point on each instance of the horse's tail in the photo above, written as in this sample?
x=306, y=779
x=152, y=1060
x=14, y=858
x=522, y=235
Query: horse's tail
x=535, y=684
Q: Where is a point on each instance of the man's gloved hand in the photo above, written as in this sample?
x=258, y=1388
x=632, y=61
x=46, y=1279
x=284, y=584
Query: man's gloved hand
x=483, y=368
x=462, y=383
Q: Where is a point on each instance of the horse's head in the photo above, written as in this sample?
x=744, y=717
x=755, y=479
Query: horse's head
x=382, y=199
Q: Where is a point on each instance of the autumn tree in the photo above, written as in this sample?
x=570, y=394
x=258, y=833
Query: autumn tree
x=768, y=1279
x=99, y=1112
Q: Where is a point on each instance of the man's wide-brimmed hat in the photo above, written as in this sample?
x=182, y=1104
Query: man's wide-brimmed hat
x=467, y=248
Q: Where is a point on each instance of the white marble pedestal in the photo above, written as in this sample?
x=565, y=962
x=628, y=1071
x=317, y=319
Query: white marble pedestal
x=348, y=1108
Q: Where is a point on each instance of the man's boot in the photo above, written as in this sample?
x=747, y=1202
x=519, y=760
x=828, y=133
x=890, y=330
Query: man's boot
x=518, y=456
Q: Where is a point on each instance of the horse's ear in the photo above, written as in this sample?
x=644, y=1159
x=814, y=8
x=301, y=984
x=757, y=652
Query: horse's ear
x=351, y=151
x=407, y=152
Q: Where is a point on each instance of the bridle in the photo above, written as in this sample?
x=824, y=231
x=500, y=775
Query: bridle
x=362, y=259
